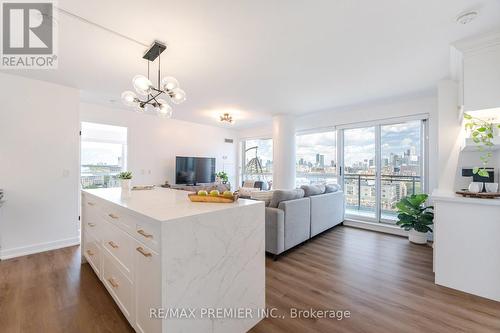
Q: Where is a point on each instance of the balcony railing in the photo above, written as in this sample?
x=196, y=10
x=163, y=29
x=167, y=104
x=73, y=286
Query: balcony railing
x=361, y=194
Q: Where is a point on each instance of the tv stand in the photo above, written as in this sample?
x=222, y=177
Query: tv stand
x=202, y=186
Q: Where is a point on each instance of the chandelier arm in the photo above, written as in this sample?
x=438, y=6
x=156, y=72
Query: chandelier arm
x=153, y=98
x=159, y=67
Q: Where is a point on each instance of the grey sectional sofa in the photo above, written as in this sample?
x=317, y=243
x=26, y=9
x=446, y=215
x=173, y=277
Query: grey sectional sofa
x=294, y=216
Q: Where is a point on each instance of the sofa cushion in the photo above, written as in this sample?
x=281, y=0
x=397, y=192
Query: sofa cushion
x=310, y=190
x=285, y=195
x=332, y=188
x=265, y=196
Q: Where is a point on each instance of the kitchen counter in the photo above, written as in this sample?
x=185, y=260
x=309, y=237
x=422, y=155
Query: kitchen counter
x=155, y=249
x=162, y=204
x=467, y=244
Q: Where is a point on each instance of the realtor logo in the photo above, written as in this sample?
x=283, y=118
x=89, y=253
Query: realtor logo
x=28, y=35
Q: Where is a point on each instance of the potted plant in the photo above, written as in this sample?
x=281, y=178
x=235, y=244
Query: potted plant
x=125, y=177
x=482, y=133
x=223, y=177
x=415, y=217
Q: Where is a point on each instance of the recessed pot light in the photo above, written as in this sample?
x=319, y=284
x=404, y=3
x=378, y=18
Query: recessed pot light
x=466, y=17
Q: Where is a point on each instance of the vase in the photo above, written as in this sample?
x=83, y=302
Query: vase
x=417, y=237
x=125, y=184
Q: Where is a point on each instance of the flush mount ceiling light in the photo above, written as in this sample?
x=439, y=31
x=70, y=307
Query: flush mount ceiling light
x=226, y=118
x=466, y=17
x=151, y=98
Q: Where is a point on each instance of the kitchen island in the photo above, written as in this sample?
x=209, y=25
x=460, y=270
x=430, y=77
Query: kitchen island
x=173, y=265
x=467, y=244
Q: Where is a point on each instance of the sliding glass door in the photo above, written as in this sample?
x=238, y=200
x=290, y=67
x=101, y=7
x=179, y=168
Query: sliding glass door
x=359, y=172
x=381, y=164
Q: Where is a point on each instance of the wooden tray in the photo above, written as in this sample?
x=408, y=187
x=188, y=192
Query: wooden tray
x=483, y=195
x=208, y=198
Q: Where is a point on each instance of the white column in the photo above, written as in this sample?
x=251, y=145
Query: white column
x=284, y=151
x=450, y=136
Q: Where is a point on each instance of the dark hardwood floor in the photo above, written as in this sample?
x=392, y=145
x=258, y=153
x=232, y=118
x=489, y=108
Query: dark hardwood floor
x=384, y=282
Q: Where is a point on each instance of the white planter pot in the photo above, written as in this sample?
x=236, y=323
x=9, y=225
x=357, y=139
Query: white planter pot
x=125, y=183
x=417, y=237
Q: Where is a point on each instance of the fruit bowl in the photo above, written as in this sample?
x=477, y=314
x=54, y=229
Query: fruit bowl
x=194, y=197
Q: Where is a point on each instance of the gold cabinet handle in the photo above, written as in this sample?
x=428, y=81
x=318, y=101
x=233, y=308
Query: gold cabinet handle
x=113, y=216
x=143, y=233
x=144, y=253
x=91, y=224
x=90, y=203
x=113, y=283
x=113, y=244
x=90, y=253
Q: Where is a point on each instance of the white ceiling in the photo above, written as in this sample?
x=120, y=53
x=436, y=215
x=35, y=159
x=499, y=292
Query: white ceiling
x=262, y=57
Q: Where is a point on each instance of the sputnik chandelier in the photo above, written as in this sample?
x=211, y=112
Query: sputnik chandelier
x=150, y=97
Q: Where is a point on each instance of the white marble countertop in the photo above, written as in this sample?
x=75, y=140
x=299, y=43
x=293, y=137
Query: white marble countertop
x=163, y=204
x=452, y=197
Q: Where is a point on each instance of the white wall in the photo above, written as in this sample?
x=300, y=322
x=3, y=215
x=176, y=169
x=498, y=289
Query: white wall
x=39, y=165
x=372, y=111
x=154, y=142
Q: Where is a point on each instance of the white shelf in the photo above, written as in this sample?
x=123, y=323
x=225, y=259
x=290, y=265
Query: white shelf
x=469, y=145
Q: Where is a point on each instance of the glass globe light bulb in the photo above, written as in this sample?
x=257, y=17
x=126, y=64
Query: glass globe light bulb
x=178, y=96
x=150, y=108
x=142, y=84
x=169, y=83
x=129, y=98
x=164, y=110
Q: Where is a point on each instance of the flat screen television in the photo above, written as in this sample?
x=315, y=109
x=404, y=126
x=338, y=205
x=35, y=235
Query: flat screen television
x=194, y=170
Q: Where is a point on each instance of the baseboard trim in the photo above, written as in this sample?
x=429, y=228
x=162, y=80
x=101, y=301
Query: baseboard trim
x=37, y=248
x=388, y=229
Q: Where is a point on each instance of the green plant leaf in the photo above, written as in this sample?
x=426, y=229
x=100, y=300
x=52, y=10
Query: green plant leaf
x=483, y=173
x=467, y=116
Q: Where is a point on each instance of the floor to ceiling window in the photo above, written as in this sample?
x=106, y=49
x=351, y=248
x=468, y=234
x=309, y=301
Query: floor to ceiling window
x=382, y=164
x=257, y=160
x=359, y=171
x=103, y=155
x=316, y=158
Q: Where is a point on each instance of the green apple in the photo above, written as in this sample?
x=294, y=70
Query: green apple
x=228, y=194
x=202, y=193
x=214, y=193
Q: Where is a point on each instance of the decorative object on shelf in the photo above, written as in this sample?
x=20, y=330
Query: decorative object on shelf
x=166, y=184
x=226, y=117
x=152, y=96
x=482, y=195
x=415, y=217
x=214, y=196
x=125, y=178
x=476, y=187
x=222, y=176
x=482, y=133
x=491, y=187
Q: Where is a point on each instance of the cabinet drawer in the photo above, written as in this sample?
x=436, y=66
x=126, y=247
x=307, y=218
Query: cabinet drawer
x=148, y=288
x=118, y=285
x=118, y=217
x=92, y=252
x=149, y=234
x=120, y=245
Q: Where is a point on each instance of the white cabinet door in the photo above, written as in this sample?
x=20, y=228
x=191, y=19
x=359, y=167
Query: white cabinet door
x=482, y=79
x=148, y=289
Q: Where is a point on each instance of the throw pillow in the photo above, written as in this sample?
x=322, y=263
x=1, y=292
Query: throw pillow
x=310, y=190
x=285, y=195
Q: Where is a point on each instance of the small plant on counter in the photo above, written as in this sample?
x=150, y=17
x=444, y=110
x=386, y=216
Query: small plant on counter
x=482, y=133
x=223, y=176
x=415, y=217
x=125, y=175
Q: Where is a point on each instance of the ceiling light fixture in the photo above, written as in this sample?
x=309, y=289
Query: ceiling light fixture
x=466, y=17
x=226, y=118
x=151, y=95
